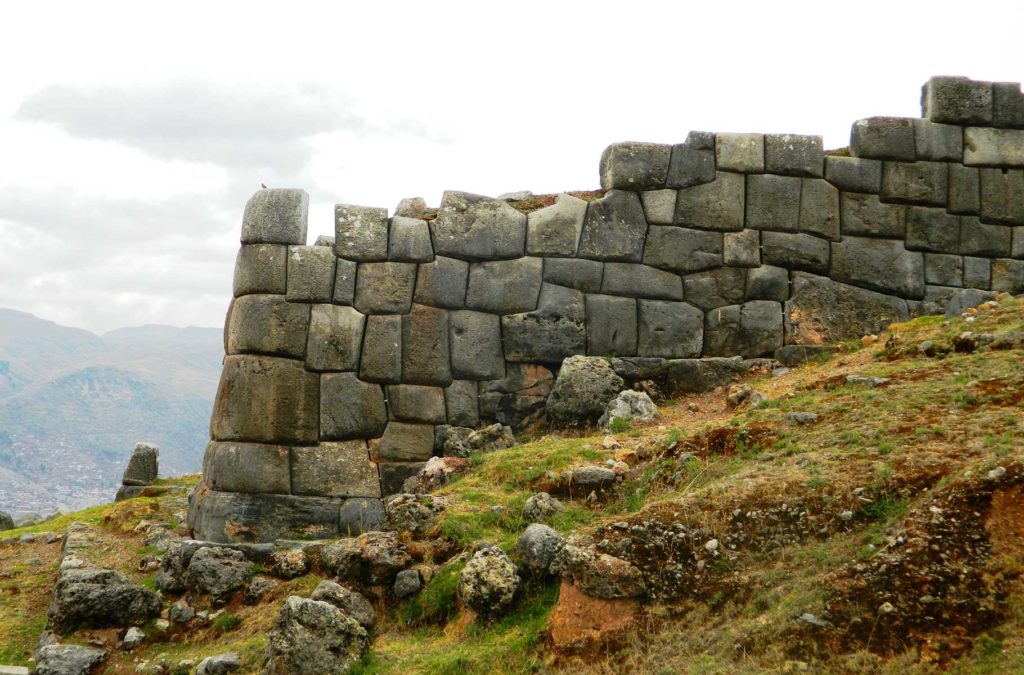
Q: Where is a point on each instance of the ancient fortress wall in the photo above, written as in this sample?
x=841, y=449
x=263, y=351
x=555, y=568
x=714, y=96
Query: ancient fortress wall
x=346, y=359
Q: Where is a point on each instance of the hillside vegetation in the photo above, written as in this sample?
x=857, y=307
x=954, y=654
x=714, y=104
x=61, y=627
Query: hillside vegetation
x=867, y=516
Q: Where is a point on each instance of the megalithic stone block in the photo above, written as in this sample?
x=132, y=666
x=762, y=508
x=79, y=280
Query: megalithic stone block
x=682, y=250
x=344, y=281
x=310, y=274
x=462, y=402
x=938, y=142
x=752, y=329
x=611, y=325
x=1007, y=105
x=404, y=442
x=505, y=286
x=381, y=356
x=361, y=232
x=964, y=190
x=576, y=273
x=863, y=214
x=476, y=346
x=549, y=334
x=854, y=174
x=555, y=230
x=409, y=240
x=943, y=269
x=819, y=208
x=957, y=100
x=915, y=183
x=739, y=152
x=794, y=155
x=442, y=283
x=335, y=338
x=614, y=228
x=340, y=469
x=416, y=403
x=822, y=310
x=473, y=227
x=641, y=281
x=692, y=161
x=932, y=230
x=1001, y=192
x=993, y=147
x=426, y=356
x=717, y=205
x=977, y=273
x=267, y=324
x=277, y=216
x=261, y=268
x=264, y=399
x=671, y=330
x=634, y=166
x=742, y=249
x=768, y=283
x=715, y=288
x=884, y=138
x=247, y=467
x=794, y=250
x=659, y=206
x=1008, y=275
x=773, y=202
x=350, y=408
x=879, y=264
x=384, y=287
x=981, y=239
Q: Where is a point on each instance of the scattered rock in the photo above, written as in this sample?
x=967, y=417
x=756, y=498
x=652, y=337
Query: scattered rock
x=807, y=617
x=6, y=521
x=584, y=386
x=435, y=474
x=218, y=571
x=288, y=563
x=90, y=597
x=461, y=442
x=407, y=582
x=488, y=582
x=541, y=506
x=313, y=637
x=711, y=546
x=996, y=473
x=221, y=664
x=965, y=343
x=629, y=405
x=1010, y=339
x=58, y=659
x=181, y=612
x=537, y=548
x=132, y=638
x=609, y=443
x=591, y=478
x=370, y=559
x=348, y=601
x=802, y=417
x=142, y=466
x=258, y=587
x=869, y=381
x=599, y=575
x=415, y=514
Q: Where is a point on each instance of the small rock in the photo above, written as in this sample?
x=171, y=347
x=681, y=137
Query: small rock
x=348, y=601
x=711, y=546
x=219, y=665
x=516, y=196
x=629, y=405
x=313, y=636
x=162, y=625
x=537, y=548
x=488, y=582
x=57, y=659
x=869, y=340
x=609, y=443
x=407, y=582
x=996, y=473
x=497, y=509
x=435, y=474
x=597, y=575
x=541, y=506
x=807, y=617
x=461, y=442
x=415, y=514
x=886, y=608
x=132, y=638
x=927, y=348
x=802, y=417
x=846, y=515
x=288, y=563
x=181, y=612
x=258, y=587
x=965, y=343
x=737, y=394
x=6, y=521
x=780, y=371
x=371, y=559
x=869, y=381
x=591, y=478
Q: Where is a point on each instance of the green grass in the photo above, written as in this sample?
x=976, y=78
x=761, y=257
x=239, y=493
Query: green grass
x=437, y=602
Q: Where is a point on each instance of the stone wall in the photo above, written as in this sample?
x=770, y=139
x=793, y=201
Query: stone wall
x=346, y=359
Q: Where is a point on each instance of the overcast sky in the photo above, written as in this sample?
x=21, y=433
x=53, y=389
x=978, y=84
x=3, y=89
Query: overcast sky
x=131, y=137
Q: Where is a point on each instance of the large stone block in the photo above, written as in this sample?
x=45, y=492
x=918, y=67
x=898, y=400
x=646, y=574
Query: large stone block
x=943, y=269
x=614, y=228
x=693, y=161
x=964, y=190
x=750, y=330
x=384, y=287
x=403, y=442
x=794, y=155
x=310, y=274
x=247, y=467
x=659, y=206
x=977, y=272
x=1002, y=196
x=699, y=375
x=768, y=282
x=932, y=230
x=682, y=250
x=267, y=324
x=518, y=398
x=819, y=208
x=641, y=281
x=381, y=358
x=795, y=251
x=555, y=230
x=1017, y=248
x=957, y=100
x=773, y=202
x=350, y=408
x=717, y=205
x=715, y=288
x=335, y=470
x=266, y=400
x=576, y=273
x=462, y=403
x=476, y=346
x=425, y=351
x=863, y=214
x=879, y=264
x=410, y=240
x=239, y=517
x=1008, y=276
x=261, y=268
x=442, y=283
x=554, y=331
x=854, y=174
x=993, y=147
x=335, y=338
x=742, y=249
x=821, y=310
x=990, y=241
x=740, y=152
x=276, y=217
x=883, y=138
x=915, y=183
x=938, y=142
x=672, y=330
x=472, y=227
x=634, y=166
x=611, y=325
x=416, y=403
x=1007, y=105
x=344, y=281
x=505, y=286
x=394, y=474
x=360, y=233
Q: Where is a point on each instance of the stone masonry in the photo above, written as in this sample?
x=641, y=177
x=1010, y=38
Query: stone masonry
x=343, y=360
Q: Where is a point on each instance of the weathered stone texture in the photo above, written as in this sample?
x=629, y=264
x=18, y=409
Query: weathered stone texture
x=819, y=208
x=472, y=227
x=932, y=230
x=854, y=174
x=576, y=273
x=416, y=403
x=883, y=138
x=555, y=230
x=555, y=330
x=409, y=240
x=404, y=442
x=261, y=268
x=425, y=352
x=822, y=310
x=381, y=357
x=879, y=264
x=977, y=272
x=350, y=408
x=740, y=152
x=505, y=286
x=335, y=338
x=310, y=274
x=634, y=166
x=442, y=283
x=957, y=100
x=715, y=288
x=943, y=269
x=1007, y=105
x=361, y=233
x=938, y=142
x=964, y=190
x=751, y=329
x=267, y=324
x=247, y=467
x=717, y=205
x=641, y=281
x=773, y=202
x=1008, y=276
x=669, y=329
x=1001, y=192
x=614, y=228
x=742, y=249
x=334, y=470
x=915, y=183
x=384, y=287
x=692, y=161
x=794, y=155
x=344, y=281
x=611, y=325
x=276, y=217
x=659, y=206
x=476, y=348
x=795, y=251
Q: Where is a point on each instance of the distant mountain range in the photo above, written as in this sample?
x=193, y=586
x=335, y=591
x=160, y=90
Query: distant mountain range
x=73, y=404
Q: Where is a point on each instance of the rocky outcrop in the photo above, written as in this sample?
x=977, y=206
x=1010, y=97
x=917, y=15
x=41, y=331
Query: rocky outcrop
x=313, y=637
x=584, y=387
x=59, y=659
x=97, y=598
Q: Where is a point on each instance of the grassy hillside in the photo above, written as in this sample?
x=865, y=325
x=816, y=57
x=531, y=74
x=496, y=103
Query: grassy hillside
x=880, y=531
